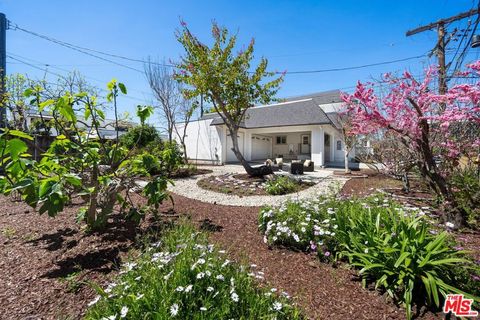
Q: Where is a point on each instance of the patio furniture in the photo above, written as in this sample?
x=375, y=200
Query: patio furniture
x=279, y=163
x=296, y=168
x=308, y=166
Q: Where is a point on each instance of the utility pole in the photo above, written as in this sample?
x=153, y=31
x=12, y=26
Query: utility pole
x=3, y=66
x=440, y=47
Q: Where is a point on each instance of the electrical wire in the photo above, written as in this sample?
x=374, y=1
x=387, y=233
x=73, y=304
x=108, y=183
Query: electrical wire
x=88, y=51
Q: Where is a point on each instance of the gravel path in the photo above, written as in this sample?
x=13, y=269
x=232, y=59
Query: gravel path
x=188, y=187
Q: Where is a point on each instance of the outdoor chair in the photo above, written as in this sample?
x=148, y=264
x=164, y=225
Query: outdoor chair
x=296, y=168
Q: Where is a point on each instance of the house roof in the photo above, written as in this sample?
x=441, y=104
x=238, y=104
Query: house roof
x=290, y=113
x=326, y=97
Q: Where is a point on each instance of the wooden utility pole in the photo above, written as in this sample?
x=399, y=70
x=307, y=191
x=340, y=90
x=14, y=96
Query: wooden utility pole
x=3, y=67
x=440, y=47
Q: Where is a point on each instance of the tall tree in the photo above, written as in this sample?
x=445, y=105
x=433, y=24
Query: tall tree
x=423, y=122
x=224, y=78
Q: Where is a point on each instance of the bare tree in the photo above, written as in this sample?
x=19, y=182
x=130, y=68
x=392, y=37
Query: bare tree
x=167, y=92
x=183, y=116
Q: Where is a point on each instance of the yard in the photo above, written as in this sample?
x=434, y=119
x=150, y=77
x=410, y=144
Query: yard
x=221, y=199
x=66, y=260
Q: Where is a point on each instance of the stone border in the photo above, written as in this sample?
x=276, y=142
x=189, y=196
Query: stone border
x=188, y=187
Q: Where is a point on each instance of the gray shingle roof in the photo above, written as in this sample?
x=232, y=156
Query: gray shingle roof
x=325, y=97
x=294, y=113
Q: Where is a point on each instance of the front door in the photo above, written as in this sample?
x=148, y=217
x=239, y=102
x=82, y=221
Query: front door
x=305, y=147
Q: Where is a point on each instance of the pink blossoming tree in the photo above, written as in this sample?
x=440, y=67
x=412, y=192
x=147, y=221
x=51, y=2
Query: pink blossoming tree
x=425, y=122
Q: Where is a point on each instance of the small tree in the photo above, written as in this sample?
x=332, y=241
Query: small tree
x=422, y=120
x=225, y=79
x=78, y=163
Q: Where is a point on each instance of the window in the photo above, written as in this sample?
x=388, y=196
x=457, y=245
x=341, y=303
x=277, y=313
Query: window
x=305, y=140
x=281, y=139
x=339, y=145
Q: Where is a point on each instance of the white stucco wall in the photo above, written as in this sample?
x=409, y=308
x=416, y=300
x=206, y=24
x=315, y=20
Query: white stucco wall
x=203, y=142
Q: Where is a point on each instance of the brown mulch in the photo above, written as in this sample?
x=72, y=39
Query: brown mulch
x=45, y=262
x=186, y=172
x=242, y=185
x=37, y=253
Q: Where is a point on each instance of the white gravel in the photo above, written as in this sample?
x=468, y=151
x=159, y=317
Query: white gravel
x=188, y=187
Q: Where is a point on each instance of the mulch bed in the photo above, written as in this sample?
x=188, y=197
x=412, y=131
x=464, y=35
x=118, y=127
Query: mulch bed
x=241, y=185
x=39, y=252
x=186, y=172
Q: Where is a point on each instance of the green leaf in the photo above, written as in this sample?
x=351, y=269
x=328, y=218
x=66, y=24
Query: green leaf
x=122, y=87
x=15, y=147
x=20, y=134
x=45, y=104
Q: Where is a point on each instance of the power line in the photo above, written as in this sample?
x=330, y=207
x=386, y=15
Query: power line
x=63, y=77
x=65, y=70
x=88, y=51
x=355, y=67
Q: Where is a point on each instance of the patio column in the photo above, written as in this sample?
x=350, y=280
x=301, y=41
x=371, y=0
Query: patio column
x=248, y=146
x=317, y=146
x=333, y=147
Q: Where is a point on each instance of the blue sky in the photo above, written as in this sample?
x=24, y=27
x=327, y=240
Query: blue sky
x=293, y=35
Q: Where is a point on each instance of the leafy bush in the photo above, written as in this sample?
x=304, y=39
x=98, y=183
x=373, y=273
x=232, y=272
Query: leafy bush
x=281, y=185
x=102, y=172
x=140, y=137
x=466, y=188
x=184, y=277
x=393, y=246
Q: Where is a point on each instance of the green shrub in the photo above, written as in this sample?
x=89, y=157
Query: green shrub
x=140, y=137
x=466, y=186
x=281, y=185
x=184, y=277
x=392, y=246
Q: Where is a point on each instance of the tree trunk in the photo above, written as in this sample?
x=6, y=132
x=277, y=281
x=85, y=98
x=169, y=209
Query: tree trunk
x=92, y=207
x=347, y=169
x=185, y=157
x=254, y=172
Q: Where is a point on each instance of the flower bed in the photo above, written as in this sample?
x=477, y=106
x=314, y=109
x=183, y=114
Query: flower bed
x=184, y=277
x=393, y=246
x=242, y=185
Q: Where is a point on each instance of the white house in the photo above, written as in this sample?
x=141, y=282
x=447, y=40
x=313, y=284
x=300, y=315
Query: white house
x=298, y=128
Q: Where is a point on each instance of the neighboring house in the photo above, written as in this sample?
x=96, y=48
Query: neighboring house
x=303, y=127
x=106, y=129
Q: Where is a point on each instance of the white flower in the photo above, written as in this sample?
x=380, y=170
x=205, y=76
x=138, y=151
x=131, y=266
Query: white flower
x=138, y=278
x=303, y=229
x=253, y=265
x=179, y=289
x=225, y=263
x=273, y=289
x=123, y=312
x=295, y=236
x=203, y=309
x=201, y=261
x=140, y=296
x=166, y=277
x=449, y=225
x=234, y=297
x=210, y=289
x=366, y=250
x=110, y=317
x=277, y=306
x=174, y=310
x=221, y=251
x=188, y=288
x=91, y=303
